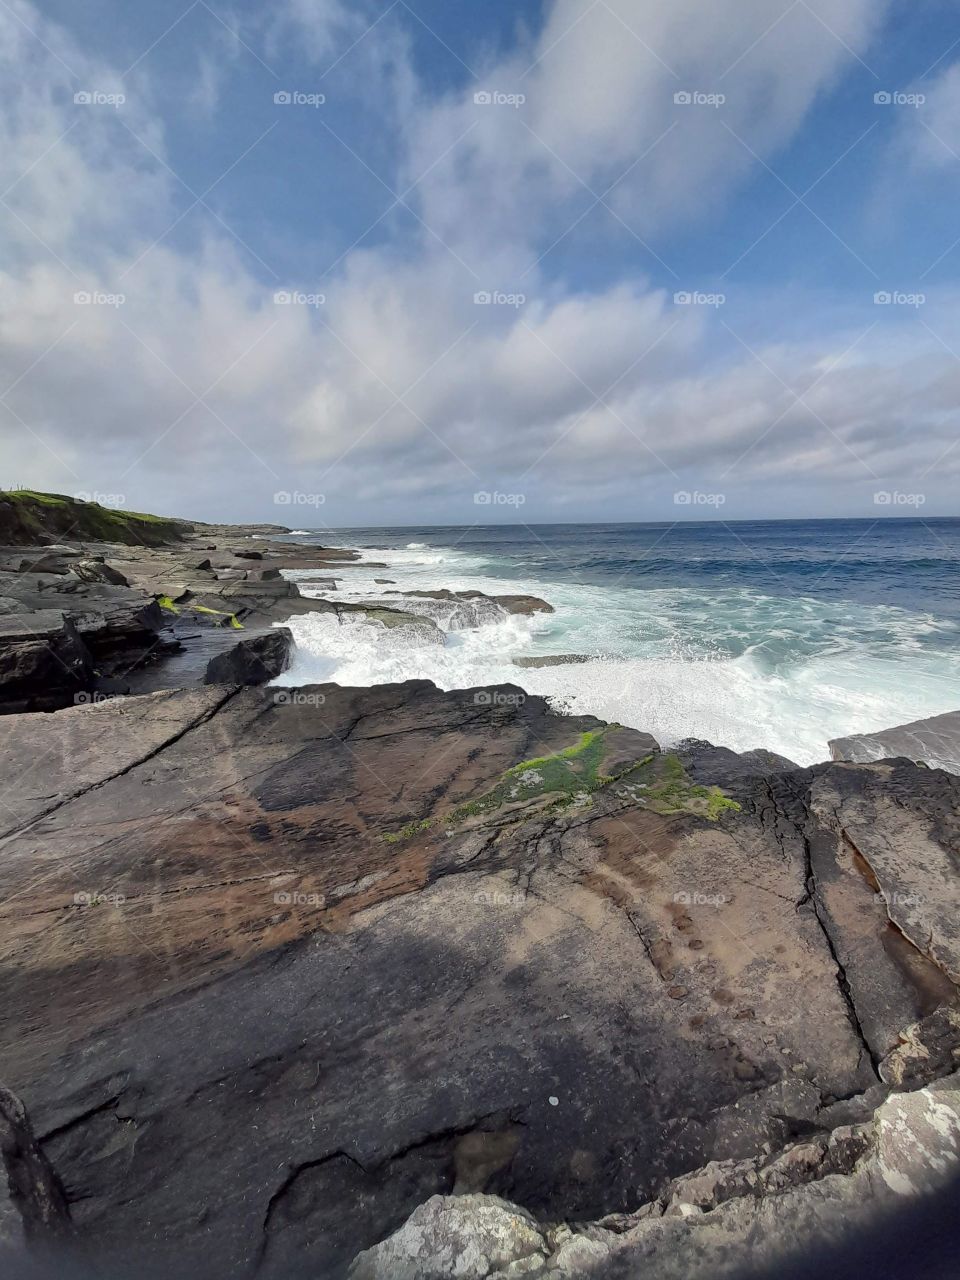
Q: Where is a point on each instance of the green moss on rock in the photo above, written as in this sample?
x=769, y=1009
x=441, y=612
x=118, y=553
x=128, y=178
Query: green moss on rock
x=661, y=783
x=567, y=775
x=573, y=774
x=411, y=829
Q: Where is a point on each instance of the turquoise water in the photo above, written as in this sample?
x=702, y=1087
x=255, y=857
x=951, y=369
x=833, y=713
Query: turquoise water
x=773, y=634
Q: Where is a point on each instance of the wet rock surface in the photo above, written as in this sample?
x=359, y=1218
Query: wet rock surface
x=510, y=604
x=934, y=741
x=551, y=660
x=276, y=971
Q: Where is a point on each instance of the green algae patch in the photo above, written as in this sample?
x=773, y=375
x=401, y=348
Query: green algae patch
x=607, y=778
x=578, y=764
x=569, y=776
x=573, y=775
x=661, y=783
x=169, y=605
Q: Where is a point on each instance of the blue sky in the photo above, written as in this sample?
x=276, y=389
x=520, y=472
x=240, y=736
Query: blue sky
x=155, y=232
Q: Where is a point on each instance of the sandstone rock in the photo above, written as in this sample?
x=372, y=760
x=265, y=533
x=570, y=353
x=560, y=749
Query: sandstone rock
x=380, y=613
x=35, y=1194
x=44, y=662
x=95, y=570
x=111, y=594
x=83, y=747
x=509, y=603
x=520, y=604
x=727, y=768
x=551, y=660
x=817, y=1200
x=51, y=561
x=263, y=575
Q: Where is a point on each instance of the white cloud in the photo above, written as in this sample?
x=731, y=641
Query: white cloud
x=495, y=393
x=931, y=130
x=599, y=90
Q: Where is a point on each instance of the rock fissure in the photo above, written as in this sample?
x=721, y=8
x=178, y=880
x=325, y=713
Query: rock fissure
x=811, y=898
x=201, y=719
x=924, y=950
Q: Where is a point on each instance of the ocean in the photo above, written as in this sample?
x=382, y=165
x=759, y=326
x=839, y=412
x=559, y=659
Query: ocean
x=775, y=634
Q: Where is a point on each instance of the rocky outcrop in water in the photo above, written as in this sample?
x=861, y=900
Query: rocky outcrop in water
x=509, y=604
x=281, y=965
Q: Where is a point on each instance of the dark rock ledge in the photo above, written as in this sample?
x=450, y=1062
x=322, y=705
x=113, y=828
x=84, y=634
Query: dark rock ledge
x=158, y=606
x=280, y=966
x=81, y=616
x=934, y=741
x=401, y=983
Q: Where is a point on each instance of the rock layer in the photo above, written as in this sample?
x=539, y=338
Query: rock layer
x=81, y=617
x=814, y=1199
x=280, y=965
x=253, y=660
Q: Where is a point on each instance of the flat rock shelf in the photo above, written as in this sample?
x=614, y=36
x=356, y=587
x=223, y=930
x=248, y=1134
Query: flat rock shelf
x=278, y=969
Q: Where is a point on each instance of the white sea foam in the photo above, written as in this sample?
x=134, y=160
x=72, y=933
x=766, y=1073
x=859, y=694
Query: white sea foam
x=736, y=667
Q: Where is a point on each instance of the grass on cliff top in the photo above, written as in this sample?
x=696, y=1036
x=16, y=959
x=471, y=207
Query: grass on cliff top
x=30, y=513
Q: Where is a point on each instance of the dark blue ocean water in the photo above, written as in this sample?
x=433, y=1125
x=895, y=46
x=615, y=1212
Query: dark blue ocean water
x=911, y=563
x=780, y=634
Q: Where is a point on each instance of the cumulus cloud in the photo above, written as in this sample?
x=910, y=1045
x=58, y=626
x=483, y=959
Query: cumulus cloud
x=600, y=114
x=401, y=393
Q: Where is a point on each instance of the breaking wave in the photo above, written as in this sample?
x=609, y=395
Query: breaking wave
x=741, y=667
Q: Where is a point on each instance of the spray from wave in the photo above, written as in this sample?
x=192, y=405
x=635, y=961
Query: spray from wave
x=738, y=667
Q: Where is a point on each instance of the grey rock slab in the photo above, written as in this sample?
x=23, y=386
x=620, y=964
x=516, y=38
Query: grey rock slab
x=252, y=660
x=317, y=975
x=815, y=1200
x=935, y=741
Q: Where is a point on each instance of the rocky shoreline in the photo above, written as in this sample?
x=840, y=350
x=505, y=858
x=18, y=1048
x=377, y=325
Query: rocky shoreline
x=392, y=982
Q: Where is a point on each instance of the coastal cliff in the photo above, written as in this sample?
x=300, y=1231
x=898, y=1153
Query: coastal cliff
x=396, y=982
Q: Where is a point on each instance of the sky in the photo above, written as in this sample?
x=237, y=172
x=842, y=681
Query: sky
x=386, y=263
